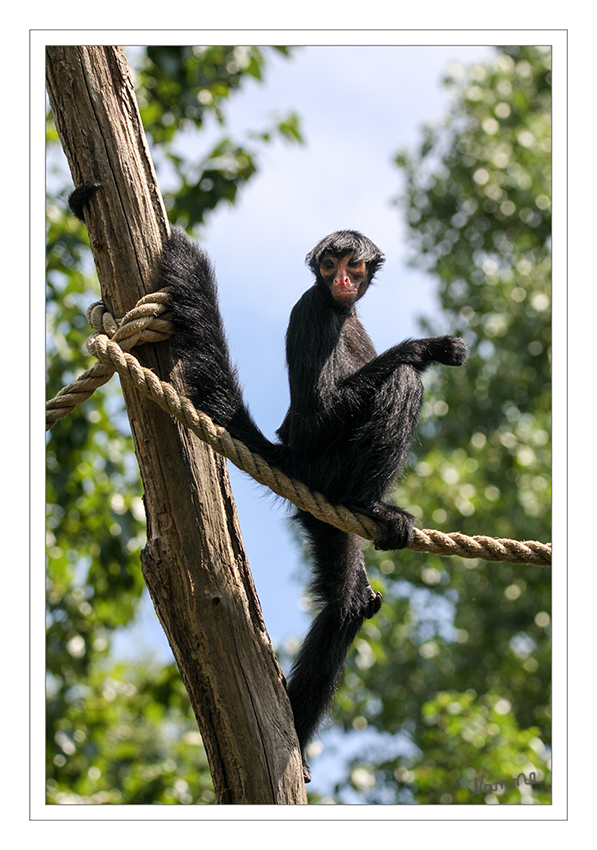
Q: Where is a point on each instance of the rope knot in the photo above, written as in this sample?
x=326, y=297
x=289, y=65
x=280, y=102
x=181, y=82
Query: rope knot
x=146, y=322
x=100, y=319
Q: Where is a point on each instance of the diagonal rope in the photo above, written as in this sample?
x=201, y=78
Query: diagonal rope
x=111, y=344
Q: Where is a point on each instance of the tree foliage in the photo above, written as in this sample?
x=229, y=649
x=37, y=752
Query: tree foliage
x=182, y=88
x=454, y=638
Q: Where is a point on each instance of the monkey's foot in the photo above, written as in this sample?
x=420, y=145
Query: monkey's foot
x=399, y=529
x=399, y=524
x=373, y=605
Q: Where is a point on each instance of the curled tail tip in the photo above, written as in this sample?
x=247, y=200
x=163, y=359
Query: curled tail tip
x=80, y=197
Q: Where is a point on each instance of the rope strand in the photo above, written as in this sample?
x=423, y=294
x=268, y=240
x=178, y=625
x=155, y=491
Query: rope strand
x=111, y=344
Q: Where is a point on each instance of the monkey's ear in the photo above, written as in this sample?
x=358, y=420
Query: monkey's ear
x=79, y=199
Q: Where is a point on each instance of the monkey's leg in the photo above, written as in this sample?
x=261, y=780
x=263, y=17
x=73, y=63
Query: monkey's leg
x=341, y=583
x=377, y=450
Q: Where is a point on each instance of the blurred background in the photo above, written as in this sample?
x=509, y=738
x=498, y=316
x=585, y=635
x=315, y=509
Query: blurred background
x=442, y=156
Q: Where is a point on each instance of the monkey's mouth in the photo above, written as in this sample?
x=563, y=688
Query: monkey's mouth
x=345, y=292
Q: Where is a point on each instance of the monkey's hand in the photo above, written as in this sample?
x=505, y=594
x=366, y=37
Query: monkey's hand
x=452, y=350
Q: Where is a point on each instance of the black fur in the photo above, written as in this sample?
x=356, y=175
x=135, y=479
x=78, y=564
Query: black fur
x=347, y=434
x=79, y=198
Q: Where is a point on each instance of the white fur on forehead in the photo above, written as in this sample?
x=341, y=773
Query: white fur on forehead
x=343, y=242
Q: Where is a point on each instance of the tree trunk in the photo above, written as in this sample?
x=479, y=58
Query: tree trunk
x=194, y=562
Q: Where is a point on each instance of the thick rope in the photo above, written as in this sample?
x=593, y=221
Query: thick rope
x=141, y=324
x=146, y=323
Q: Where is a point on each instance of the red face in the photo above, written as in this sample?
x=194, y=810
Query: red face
x=345, y=276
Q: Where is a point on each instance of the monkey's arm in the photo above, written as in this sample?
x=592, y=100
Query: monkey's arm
x=418, y=353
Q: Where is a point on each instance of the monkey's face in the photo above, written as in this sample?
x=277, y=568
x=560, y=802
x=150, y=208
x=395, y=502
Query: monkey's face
x=346, y=277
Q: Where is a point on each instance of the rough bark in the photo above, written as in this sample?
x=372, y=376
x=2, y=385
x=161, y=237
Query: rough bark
x=194, y=562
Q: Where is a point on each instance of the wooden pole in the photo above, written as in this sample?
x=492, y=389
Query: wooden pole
x=194, y=562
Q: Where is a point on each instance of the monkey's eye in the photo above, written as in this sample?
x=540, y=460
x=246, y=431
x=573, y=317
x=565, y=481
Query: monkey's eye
x=327, y=264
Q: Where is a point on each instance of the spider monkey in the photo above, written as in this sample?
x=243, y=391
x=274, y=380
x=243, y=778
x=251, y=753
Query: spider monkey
x=347, y=433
